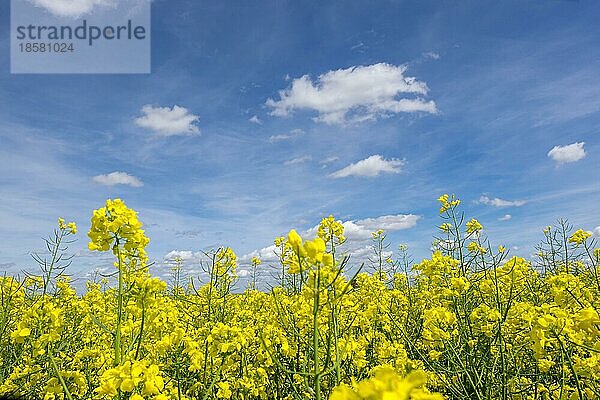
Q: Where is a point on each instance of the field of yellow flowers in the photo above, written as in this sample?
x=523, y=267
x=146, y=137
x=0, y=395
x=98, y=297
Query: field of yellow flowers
x=471, y=322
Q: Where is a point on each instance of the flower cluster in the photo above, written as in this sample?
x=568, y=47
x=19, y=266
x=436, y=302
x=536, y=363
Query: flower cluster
x=116, y=226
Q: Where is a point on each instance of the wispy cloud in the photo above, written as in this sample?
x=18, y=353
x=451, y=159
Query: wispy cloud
x=294, y=133
x=567, y=154
x=354, y=94
x=189, y=233
x=118, y=178
x=370, y=167
x=431, y=55
x=298, y=160
x=497, y=202
x=165, y=121
x=328, y=160
x=507, y=217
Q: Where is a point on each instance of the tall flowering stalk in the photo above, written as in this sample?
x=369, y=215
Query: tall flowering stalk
x=117, y=227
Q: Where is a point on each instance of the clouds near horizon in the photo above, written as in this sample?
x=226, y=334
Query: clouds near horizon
x=357, y=233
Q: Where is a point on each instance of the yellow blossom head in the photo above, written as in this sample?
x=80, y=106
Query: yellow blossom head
x=474, y=226
x=579, y=237
x=295, y=241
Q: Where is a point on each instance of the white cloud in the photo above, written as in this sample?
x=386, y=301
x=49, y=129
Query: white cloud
x=255, y=120
x=352, y=230
x=496, y=202
x=507, y=217
x=360, y=231
x=431, y=55
x=567, y=154
x=185, y=255
x=167, y=121
x=72, y=8
x=118, y=178
x=370, y=167
x=354, y=94
x=298, y=160
x=266, y=255
x=389, y=222
x=596, y=231
x=294, y=133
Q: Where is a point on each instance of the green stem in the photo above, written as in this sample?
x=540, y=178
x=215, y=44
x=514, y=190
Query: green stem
x=570, y=364
x=60, y=378
x=317, y=380
x=117, y=344
x=51, y=267
x=460, y=244
x=139, y=343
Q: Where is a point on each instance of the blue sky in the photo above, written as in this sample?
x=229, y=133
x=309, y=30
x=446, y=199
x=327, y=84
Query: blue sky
x=262, y=117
